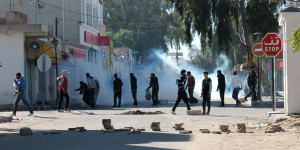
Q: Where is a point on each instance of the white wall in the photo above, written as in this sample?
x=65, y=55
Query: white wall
x=290, y=21
x=12, y=58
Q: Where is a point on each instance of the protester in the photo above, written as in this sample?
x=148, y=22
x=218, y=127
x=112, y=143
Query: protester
x=206, y=92
x=133, y=82
x=155, y=88
x=237, y=85
x=181, y=94
x=63, y=90
x=221, y=87
x=84, y=91
x=117, y=90
x=252, y=81
x=190, y=85
x=93, y=89
x=20, y=84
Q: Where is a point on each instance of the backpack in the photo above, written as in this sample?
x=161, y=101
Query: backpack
x=148, y=94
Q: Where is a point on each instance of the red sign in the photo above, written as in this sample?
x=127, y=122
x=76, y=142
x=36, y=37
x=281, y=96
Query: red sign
x=271, y=44
x=96, y=40
x=257, y=50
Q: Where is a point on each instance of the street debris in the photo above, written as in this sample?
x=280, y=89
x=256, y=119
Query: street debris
x=224, y=128
x=6, y=118
x=82, y=113
x=204, y=131
x=274, y=129
x=194, y=112
x=155, y=126
x=138, y=112
x=217, y=132
x=241, y=127
x=185, y=132
x=25, y=131
x=107, y=124
x=178, y=126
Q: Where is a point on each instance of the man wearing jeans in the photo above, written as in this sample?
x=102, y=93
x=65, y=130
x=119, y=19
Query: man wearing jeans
x=133, y=82
x=63, y=90
x=190, y=85
x=237, y=85
x=20, y=86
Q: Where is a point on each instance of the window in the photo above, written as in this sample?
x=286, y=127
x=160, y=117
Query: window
x=95, y=18
x=89, y=14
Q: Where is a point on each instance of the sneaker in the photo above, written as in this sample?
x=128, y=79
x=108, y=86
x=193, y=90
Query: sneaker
x=13, y=114
x=61, y=111
x=203, y=113
x=173, y=112
x=68, y=110
x=30, y=114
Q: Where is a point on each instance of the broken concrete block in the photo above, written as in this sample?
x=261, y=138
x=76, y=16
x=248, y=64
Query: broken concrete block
x=156, y=129
x=224, y=128
x=185, y=132
x=25, y=131
x=179, y=124
x=71, y=129
x=107, y=124
x=179, y=128
x=217, y=132
x=241, y=128
x=6, y=118
x=194, y=112
x=205, y=131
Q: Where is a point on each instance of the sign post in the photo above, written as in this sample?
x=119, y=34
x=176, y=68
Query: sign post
x=272, y=46
x=257, y=51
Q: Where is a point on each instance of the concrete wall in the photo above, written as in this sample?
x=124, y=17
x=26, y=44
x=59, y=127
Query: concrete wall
x=289, y=22
x=12, y=57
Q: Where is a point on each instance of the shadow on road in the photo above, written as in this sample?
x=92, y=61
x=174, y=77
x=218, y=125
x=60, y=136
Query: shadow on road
x=91, y=140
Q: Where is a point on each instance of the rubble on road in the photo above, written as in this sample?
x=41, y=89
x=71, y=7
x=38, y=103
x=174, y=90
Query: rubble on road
x=205, y=131
x=194, y=112
x=185, y=132
x=224, y=128
x=140, y=130
x=6, y=118
x=217, y=132
x=274, y=129
x=138, y=112
x=155, y=126
x=241, y=127
x=178, y=126
x=107, y=124
x=25, y=131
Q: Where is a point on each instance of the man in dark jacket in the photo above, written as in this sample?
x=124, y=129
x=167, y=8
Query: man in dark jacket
x=221, y=86
x=133, y=82
x=155, y=88
x=84, y=91
x=252, y=80
x=117, y=90
x=206, y=92
x=181, y=81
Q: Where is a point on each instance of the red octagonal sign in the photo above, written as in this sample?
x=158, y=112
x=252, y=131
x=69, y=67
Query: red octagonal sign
x=271, y=44
x=257, y=50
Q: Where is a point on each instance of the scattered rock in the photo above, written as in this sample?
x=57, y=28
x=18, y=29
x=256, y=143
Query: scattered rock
x=155, y=126
x=25, y=131
x=205, y=131
x=107, y=124
x=241, y=128
x=138, y=112
x=224, y=128
x=217, y=132
x=178, y=126
x=185, y=132
x=194, y=112
x=6, y=118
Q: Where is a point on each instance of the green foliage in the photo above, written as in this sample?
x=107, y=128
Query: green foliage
x=295, y=40
x=151, y=23
x=123, y=38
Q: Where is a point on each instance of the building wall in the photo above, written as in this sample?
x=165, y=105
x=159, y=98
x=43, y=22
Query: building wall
x=290, y=21
x=12, y=57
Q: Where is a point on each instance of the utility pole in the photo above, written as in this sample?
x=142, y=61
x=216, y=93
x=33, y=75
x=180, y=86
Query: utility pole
x=258, y=70
x=55, y=42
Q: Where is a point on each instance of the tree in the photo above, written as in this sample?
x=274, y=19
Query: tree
x=219, y=17
x=123, y=38
x=151, y=23
x=295, y=40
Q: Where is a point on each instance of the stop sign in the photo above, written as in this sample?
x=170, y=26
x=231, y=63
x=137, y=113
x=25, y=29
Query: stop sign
x=257, y=50
x=271, y=44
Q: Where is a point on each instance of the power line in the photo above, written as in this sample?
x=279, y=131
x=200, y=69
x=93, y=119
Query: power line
x=124, y=20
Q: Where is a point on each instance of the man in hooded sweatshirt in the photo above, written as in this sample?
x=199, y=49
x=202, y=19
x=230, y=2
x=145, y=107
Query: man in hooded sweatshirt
x=206, y=92
x=63, y=90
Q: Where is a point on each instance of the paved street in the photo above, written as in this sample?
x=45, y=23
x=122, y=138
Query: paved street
x=168, y=138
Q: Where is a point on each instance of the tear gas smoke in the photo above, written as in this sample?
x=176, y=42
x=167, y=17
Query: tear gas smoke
x=165, y=68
